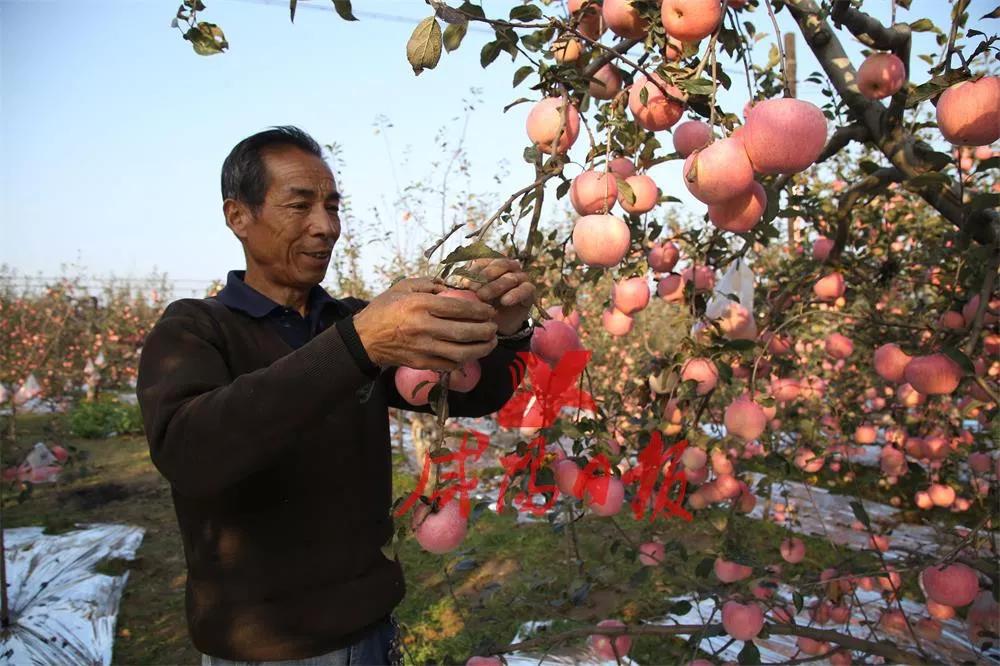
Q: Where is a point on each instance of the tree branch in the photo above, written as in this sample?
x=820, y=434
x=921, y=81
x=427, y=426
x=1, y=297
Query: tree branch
x=536, y=215
x=868, y=29
x=898, y=102
x=895, y=143
x=872, y=183
x=882, y=649
x=608, y=56
x=985, y=293
x=841, y=137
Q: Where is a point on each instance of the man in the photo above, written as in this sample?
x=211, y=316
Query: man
x=266, y=409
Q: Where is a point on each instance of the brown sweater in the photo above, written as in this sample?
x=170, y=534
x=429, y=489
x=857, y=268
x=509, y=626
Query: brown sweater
x=280, y=475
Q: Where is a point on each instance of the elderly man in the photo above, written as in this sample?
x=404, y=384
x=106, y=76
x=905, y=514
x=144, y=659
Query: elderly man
x=266, y=409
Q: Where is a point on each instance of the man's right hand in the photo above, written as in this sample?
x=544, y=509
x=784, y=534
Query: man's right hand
x=409, y=325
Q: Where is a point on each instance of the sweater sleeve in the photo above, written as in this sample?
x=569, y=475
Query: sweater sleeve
x=208, y=430
x=502, y=372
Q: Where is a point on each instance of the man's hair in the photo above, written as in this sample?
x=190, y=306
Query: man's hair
x=244, y=174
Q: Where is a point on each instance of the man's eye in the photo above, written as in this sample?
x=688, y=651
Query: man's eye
x=334, y=209
x=300, y=206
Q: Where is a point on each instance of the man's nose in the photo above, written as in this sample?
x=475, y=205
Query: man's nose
x=324, y=223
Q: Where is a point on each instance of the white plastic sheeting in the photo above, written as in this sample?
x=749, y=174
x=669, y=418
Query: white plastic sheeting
x=828, y=515
x=62, y=611
x=737, y=281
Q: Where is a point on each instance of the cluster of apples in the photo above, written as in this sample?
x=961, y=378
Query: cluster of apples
x=780, y=136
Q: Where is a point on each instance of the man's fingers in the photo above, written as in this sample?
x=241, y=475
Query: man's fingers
x=462, y=353
x=422, y=285
x=501, y=285
x=459, y=308
x=523, y=293
x=462, y=331
x=498, y=267
x=490, y=269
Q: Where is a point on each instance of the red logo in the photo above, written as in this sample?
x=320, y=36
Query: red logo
x=536, y=408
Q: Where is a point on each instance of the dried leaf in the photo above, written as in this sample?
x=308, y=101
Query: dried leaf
x=206, y=39
x=423, y=51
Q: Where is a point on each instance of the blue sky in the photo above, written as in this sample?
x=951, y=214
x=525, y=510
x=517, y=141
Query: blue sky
x=113, y=130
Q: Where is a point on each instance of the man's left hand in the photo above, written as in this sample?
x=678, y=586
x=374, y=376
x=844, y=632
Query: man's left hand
x=506, y=287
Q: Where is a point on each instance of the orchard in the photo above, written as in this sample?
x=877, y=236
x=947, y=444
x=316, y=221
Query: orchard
x=822, y=331
x=872, y=323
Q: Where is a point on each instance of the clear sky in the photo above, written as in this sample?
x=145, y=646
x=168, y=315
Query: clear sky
x=114, y=131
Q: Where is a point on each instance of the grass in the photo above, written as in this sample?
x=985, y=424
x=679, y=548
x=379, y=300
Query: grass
x=457, y=605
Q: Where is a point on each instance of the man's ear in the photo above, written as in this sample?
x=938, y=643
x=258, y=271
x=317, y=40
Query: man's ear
x=238, y=217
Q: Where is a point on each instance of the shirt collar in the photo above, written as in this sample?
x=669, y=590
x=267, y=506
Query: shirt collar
x=238, y=295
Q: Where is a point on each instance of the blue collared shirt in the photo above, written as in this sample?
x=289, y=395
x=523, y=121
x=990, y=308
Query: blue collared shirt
x=293, y=328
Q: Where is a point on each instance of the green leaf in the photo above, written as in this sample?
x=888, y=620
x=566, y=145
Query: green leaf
x=773, y=57
x=525, y=13
x=453, y=35
x=563, y=189
x=923, y=25
x=704, y=567
x=423, y=51
x=990, y=163
x=798, y=601
x=868, y=166
x=625, y=190
x=993, y=14
x=521, y=74
x=206, y=39
x=639, y=577
x=934, y=159
x=749, y=654
x=928, y=179
x=468, y=564
x=644, y=95
x=520, y=100
x=739, y=345
x=859, y=512
x=489, y=53
x=935, y=86
x=696, y=86
x=772, y=205
x=680, y=608
x=473, y=9
x=725, y=372
x=343, y=9
x=291, y=9
x=478, y=250
x=984, y=200
x=961, y=359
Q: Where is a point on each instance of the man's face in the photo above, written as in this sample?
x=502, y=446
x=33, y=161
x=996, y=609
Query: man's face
x=292, y=235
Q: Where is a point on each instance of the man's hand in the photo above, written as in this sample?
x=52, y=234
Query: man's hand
x=505, y=286
x=408, y=325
